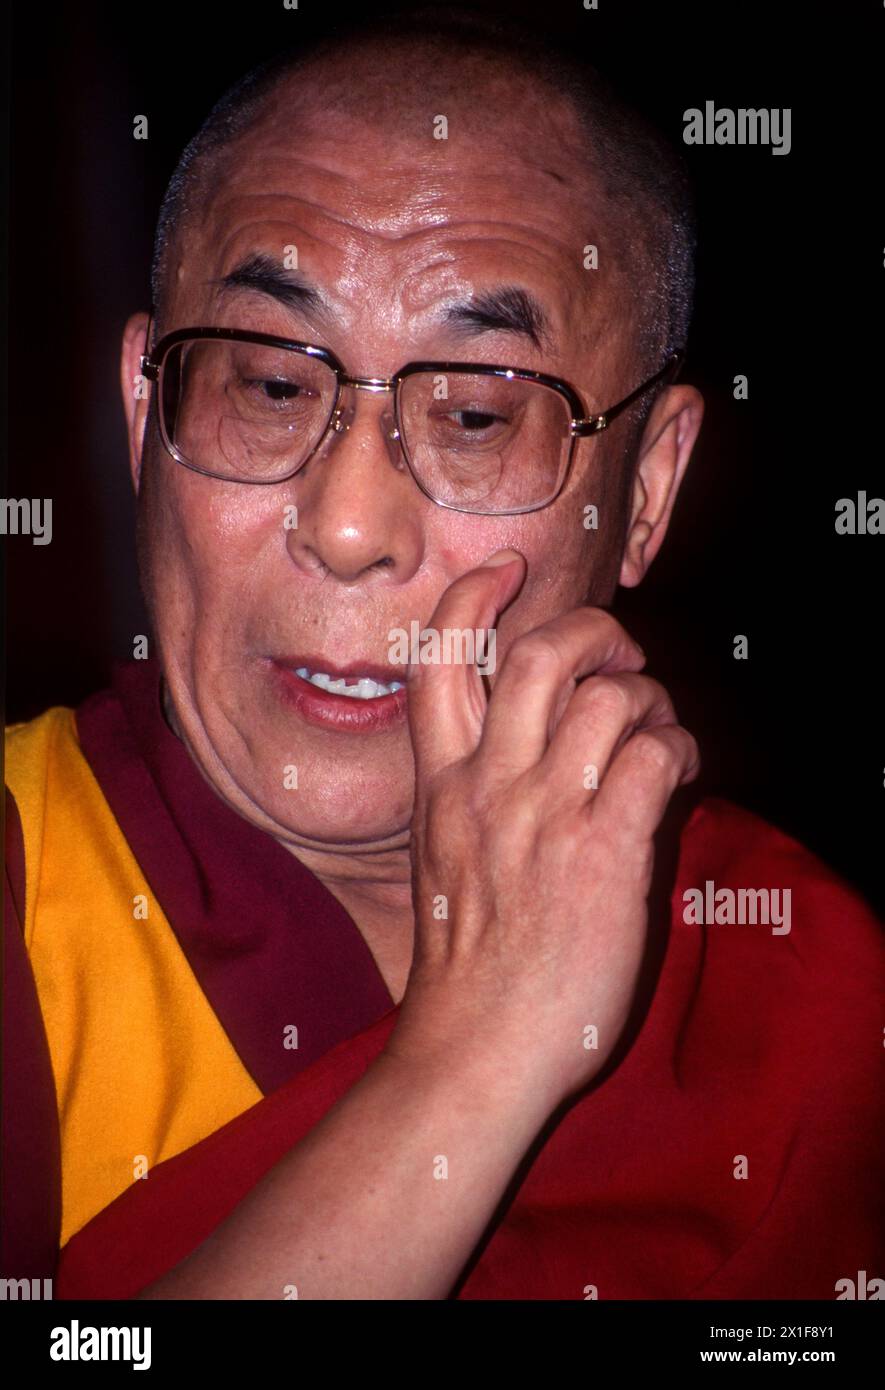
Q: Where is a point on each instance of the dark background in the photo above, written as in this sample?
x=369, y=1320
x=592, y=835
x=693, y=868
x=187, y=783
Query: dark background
x=789, y=293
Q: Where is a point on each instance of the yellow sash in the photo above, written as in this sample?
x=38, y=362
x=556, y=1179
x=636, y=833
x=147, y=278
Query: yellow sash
x=143, y=1067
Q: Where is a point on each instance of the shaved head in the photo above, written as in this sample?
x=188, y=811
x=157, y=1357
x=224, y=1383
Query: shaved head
x=499, y=84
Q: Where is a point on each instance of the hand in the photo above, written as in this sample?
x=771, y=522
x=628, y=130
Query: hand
x=543, y=880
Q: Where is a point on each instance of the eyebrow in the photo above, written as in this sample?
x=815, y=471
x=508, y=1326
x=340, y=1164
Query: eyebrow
x=500, y=309
x=503, y=309
x=288, y=287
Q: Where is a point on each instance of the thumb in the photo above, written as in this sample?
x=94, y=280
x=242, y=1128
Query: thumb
x=446, y=699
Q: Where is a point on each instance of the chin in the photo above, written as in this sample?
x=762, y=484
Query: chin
x=313, y=804
x=326, y=828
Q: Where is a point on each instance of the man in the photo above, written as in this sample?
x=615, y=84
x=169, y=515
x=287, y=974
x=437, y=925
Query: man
x=414, y=906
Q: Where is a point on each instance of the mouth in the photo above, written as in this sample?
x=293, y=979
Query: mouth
x=361, y=697
x=362, y=680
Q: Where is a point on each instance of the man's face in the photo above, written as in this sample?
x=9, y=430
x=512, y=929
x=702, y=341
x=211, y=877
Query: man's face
x=392, y=227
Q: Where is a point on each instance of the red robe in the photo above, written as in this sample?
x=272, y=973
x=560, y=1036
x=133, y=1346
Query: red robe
x=733, y=1149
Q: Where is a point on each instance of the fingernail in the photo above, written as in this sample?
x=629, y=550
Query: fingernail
x=501, y=557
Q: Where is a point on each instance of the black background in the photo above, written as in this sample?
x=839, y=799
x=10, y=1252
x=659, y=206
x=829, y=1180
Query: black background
x=789, y=293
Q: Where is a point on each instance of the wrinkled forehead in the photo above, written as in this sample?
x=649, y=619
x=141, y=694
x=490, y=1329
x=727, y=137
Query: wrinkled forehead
x=414, y=191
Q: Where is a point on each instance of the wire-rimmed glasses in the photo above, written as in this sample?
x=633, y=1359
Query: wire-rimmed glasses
x=255, y=408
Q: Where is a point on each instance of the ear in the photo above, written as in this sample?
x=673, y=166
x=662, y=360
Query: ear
x=664, y=451
x=135, y=389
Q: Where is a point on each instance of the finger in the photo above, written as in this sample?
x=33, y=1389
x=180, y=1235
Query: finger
x=447, y=702
x=602, y=715
x=643, y=776
x=537, y=679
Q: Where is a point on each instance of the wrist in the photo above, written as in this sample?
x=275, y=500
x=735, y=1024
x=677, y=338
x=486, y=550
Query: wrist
x=483, y=1072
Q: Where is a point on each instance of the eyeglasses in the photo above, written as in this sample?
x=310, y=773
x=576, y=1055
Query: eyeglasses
x=255, y=408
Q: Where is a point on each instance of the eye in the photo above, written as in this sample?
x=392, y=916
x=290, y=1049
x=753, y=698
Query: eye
x=476, y=419
x=278, y=390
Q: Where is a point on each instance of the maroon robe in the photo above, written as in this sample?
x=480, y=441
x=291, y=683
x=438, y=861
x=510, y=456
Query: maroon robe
x=746, y=1050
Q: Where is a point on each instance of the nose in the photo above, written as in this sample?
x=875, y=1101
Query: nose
x=359, y=512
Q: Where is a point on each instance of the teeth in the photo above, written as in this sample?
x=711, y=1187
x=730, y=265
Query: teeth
x=364, y=688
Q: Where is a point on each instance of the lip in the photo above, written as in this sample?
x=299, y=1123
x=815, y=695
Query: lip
x=341, y=713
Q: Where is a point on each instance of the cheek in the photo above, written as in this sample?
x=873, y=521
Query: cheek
x=572, y=550
x=567, y=561
x=591, y=521
x=200, y=541
x=463, y=542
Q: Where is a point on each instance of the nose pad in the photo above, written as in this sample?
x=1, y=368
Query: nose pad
x=342, y=416
x=392, y=440
x=342, y=421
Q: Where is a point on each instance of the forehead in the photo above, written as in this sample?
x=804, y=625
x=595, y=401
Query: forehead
x=425, y=191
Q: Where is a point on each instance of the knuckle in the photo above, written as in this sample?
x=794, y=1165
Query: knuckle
x=532, y=654
x=606, y=624
x=608, y=700
x=609, y=633
x=691, y=761
x=657, y=696
x=654, y=756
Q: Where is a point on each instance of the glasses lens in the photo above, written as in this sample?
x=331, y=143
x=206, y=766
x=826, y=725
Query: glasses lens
x=242, y=411
x=484, y=443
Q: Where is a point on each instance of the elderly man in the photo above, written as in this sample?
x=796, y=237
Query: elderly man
x=420, y=298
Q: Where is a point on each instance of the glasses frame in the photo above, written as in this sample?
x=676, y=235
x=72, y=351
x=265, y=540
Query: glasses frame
x=581, y=425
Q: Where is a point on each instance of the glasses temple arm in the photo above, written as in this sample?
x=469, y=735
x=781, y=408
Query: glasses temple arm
x=148, y=368
x=668, y=372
